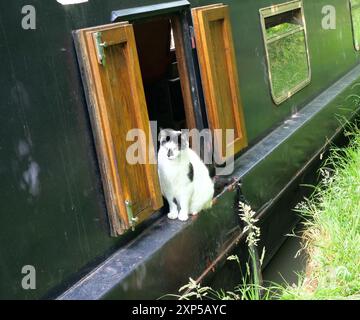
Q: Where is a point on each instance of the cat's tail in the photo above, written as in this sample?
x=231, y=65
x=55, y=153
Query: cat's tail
x=196, y=208
x=208, y=204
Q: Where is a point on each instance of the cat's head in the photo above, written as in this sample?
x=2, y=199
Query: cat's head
x=173, y=142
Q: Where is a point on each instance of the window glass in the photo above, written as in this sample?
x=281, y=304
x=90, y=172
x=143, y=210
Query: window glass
x=286, y=49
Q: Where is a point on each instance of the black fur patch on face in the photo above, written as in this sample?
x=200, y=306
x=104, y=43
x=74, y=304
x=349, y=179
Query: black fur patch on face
x=177, y=204
x=191, y=172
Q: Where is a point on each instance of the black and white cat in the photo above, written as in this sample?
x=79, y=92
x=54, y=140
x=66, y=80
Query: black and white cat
x=184, y=178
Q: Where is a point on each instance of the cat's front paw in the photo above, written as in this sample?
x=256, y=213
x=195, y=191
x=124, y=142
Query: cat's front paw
x=172, y=215
x=183, y=216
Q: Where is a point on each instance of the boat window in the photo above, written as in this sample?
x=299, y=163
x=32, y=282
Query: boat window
x=133, y=73
x=285, y=39
x=159, y=71
x=355, y=17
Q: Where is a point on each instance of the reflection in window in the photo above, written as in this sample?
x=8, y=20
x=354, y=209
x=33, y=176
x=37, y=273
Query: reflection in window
x=286, y=49
x=355, y=16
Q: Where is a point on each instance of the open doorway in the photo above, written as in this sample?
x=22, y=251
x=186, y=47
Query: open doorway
x=160, y=72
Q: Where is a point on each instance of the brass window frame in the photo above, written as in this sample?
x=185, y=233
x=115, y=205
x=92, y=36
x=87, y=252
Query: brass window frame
x=273, y=11
x=352, y=7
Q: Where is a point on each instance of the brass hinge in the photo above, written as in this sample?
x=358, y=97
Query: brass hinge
x=99, y=45
x=132, y=220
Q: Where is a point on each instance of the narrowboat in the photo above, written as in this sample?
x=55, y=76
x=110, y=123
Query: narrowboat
x=79, y=221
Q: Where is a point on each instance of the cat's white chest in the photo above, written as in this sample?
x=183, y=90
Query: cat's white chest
x=172, y=174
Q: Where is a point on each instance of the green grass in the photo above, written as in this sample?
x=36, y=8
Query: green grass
x=280, y=29
x=332, y=237
x=331, y=240
x=287, y=59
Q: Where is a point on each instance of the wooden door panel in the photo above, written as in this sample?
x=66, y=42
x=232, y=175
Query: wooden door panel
x=117, y=105
x=219, y=75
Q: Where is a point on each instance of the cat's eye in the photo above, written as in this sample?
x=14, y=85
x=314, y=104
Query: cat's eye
x=284, y=33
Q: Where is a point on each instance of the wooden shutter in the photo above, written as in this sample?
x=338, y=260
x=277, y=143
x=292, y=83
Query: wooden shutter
x=218, y=70
x=116, y=104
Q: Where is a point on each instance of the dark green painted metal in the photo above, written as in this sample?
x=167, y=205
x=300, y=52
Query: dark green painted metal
x=262, y=170
x=147, y=11
x=52, y=211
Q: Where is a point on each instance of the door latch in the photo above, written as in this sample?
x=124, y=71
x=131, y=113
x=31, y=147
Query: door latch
x=192, y=36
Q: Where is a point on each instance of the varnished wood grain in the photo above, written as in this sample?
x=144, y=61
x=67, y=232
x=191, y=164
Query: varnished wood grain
x=183, y=73
x=219, y=75
x=117, y=106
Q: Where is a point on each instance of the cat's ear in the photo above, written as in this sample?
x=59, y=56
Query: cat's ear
x=161, y=133
x=184, y=139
